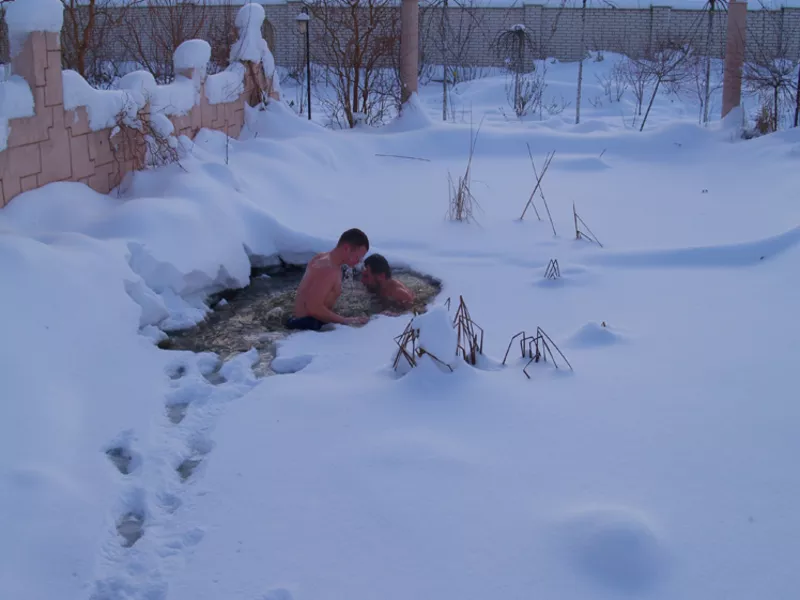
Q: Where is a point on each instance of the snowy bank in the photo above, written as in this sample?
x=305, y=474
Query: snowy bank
x=92, y=280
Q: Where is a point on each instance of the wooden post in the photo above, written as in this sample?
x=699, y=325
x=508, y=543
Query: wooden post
x=734, y=56
x=409, y=48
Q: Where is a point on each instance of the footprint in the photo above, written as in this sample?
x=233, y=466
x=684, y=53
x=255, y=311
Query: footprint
x=177, y=412
x=170, y=502
x=176, y=372
x=122, y=459
x=209, y=365
x=199, y=446
x=131, y=528
x=187, y=467
x=214, y=378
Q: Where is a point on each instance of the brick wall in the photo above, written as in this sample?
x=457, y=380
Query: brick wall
x=472, y=33
x=59, y=145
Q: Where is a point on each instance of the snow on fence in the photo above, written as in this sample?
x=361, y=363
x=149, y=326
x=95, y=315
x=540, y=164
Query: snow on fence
x=54, y=126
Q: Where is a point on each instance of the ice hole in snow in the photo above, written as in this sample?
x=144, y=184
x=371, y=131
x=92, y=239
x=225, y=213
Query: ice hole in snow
x=255, y=316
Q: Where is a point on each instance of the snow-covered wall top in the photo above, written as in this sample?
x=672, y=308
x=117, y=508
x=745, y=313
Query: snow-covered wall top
x=193, y=54
x=106, y=108
x=35, y=15
x=23, y=18
x=16, y=100
x=103, y=107
x=249, y=46
x=106, y=133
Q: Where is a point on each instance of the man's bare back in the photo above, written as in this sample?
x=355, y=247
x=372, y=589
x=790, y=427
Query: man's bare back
x=322, y=281
x=321, y=285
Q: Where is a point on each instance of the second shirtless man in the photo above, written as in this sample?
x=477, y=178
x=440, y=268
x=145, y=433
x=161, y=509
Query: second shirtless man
x=321, y=285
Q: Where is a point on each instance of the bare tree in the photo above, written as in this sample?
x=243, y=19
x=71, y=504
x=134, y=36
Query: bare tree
x=359, y=41
x=637, y=75
x=705, y=79
x=516, y=47
x=221, y=34
x=452, y=27
x=583, y=55
x=88, y=37
x=4, y=50
x=155, y=28
x=710, y=7
x=615, y=82
x=667, y=67
x=772, y=70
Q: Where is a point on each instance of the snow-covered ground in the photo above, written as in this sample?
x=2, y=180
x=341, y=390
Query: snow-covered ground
x=663, y=466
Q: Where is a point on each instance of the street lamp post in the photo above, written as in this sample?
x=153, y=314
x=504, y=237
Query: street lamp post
x=302, y=22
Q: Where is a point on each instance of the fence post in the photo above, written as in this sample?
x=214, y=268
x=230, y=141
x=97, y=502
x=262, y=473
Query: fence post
x=734, y=56
x=409, y=48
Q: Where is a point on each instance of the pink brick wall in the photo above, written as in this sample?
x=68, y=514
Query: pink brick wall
x=58, y=144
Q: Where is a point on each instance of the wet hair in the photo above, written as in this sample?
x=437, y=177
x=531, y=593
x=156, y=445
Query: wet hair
x=355, y=237
x=378, y=264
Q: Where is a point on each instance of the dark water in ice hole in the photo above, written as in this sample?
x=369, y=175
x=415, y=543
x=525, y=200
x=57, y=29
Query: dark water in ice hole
x=255, y=316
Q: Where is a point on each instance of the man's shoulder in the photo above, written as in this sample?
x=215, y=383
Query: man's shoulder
x=399, y=285
x=320, y=263
x=323, y=269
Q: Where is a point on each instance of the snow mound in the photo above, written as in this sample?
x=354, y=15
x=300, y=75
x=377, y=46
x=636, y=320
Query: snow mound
x=26, y=17
x=16, y=101
x=291, y=364
x=614, y=547
x=412, y=116
x=192, y=54
x=731, y=127
x=250, y=45
x=226, y=86
x=437, y=336
x=279, y=122
x=593, y=335
x=141, y=85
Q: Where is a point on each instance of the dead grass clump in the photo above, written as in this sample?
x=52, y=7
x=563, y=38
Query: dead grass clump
x=462, y=203
x=535, y=348
x=582, y=230
x=469, y=344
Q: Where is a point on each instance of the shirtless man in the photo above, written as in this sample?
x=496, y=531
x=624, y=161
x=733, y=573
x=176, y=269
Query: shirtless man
x=321, y=285
x=377, y=278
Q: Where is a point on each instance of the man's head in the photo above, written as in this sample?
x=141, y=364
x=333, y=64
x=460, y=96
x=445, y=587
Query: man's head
x=353, y=245
x=376, y=271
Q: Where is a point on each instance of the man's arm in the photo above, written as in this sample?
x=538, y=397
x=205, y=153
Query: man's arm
x=401, y=296
x=315, y=305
